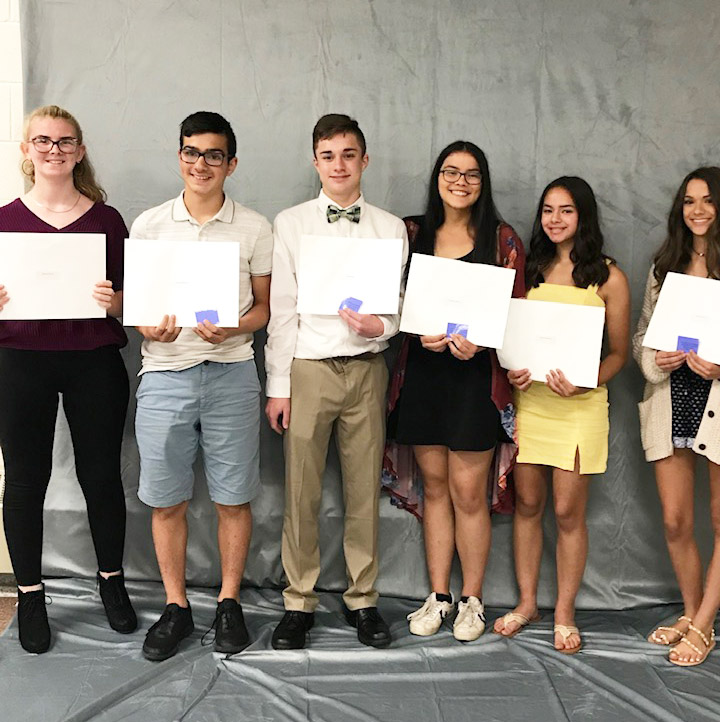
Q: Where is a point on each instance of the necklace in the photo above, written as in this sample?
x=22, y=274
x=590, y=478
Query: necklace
x=52, y=210
x=697, y=253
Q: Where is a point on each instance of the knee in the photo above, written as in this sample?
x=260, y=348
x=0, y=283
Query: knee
x=568, y=518
x=678, y=527
x=232, y=512
x=435, y=488
x=170, y=513
x=529, y=506
x=468, y=499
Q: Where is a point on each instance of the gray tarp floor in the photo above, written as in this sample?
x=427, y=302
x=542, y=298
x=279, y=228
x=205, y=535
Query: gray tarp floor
x=91, y=673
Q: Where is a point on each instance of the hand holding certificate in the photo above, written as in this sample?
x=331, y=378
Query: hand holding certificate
x=544, y=336
x=181, y=283
x=51, y=275
x=685, y=317
x=359, y=274
x=444, y=295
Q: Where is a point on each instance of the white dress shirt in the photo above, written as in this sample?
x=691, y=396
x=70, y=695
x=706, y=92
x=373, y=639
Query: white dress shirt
x=309, y=336
x=233, y=222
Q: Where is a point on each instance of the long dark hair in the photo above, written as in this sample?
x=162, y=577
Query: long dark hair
x=676, y=252
x=589, y=261
x=484, y=217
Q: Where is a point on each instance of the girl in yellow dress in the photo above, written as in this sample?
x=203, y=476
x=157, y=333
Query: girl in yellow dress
x=560, y=426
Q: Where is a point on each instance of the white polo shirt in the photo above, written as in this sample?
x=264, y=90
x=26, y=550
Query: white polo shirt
x=308, y=336
x=233, y=222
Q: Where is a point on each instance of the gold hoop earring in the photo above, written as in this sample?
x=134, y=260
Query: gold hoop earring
x=29, y=171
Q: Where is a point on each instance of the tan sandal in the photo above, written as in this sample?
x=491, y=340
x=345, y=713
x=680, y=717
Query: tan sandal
x=661, y=638
x=518, y=618
x=565, y=632
x=702, y=653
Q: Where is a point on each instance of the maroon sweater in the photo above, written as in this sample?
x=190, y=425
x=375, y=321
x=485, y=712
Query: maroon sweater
x=68, y=335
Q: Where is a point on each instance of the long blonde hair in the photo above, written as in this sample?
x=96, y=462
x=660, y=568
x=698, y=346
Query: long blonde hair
x=83, y=172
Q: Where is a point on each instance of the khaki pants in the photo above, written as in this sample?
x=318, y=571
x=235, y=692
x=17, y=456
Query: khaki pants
x=347, y=394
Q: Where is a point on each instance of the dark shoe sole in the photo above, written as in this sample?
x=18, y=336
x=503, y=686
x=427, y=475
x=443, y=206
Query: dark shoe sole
x=37, y=650
x=123, y=630
x=284, y=644
x=377, y=643
x=229, y=649
x=155, y=655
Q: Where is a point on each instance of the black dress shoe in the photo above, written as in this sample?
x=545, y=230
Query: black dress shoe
x=164, y=637
x=290, y=633
x=33, y=627
x=231, y=634
x=118, y=608
x=371, y=627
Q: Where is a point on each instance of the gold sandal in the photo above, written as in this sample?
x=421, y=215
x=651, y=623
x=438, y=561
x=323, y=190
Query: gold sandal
x=661, y=639
x=565, y=632
x=702, y=653
x=518, y=618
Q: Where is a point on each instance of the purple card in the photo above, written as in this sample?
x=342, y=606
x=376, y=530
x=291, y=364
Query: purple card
x=461, y=329
x=352, y=303
x=687, y=343
x=210, y=315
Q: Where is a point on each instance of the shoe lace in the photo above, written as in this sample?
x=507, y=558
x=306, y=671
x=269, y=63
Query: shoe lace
x=212, y=628
x=293, y=621
x=473, y=607
x=432, y=606
x=223, y=619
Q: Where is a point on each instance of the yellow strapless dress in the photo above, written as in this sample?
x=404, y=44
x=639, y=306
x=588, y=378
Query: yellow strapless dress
x=551, y=428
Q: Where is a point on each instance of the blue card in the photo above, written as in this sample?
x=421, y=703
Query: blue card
x=460, y=329
x=686, y=343
x=210, y=315
x=352, y=303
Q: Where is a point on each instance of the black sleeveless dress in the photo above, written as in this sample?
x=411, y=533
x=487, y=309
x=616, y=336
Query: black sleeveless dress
x=445, y=401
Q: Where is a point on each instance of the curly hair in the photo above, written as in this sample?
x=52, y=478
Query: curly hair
x=590, y=264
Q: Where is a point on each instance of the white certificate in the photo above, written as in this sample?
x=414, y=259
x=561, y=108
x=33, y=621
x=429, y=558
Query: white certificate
x=333, y=269
x=544, y=335
x=51, y=275
x=192, y=280
x=441, y=291
x=686, y=316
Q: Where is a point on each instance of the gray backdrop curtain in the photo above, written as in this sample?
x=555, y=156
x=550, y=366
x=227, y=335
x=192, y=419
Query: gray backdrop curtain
x=623, y=93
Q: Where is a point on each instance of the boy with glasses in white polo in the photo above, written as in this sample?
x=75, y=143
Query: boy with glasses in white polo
x=200, y=389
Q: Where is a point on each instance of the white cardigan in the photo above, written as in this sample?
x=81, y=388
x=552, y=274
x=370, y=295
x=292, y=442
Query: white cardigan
x=656, y=407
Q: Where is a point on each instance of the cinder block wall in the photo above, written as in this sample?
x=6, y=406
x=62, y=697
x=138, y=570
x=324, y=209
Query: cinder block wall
x=11, y=117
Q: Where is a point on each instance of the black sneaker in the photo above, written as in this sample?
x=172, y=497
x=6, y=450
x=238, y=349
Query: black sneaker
x=164, y=637
x=118, y=608
x=231, y=634
x=33, y=627
x=290, y=633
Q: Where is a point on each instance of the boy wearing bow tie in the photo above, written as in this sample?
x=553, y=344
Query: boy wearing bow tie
x=326, y=372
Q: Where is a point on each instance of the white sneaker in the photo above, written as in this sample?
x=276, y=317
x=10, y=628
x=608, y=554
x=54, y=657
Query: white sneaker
x=427, y=620
x=470, y=621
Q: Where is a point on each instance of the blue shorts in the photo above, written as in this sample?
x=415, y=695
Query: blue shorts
x=212, y=406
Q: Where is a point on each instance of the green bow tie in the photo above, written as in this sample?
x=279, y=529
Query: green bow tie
x=334, y=214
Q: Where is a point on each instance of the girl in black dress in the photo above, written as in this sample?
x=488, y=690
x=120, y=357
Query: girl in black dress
x=448, y=409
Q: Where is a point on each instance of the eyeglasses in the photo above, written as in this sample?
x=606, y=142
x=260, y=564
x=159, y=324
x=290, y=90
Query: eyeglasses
x=472, y=177
x=188, y=154
x=43, y=144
